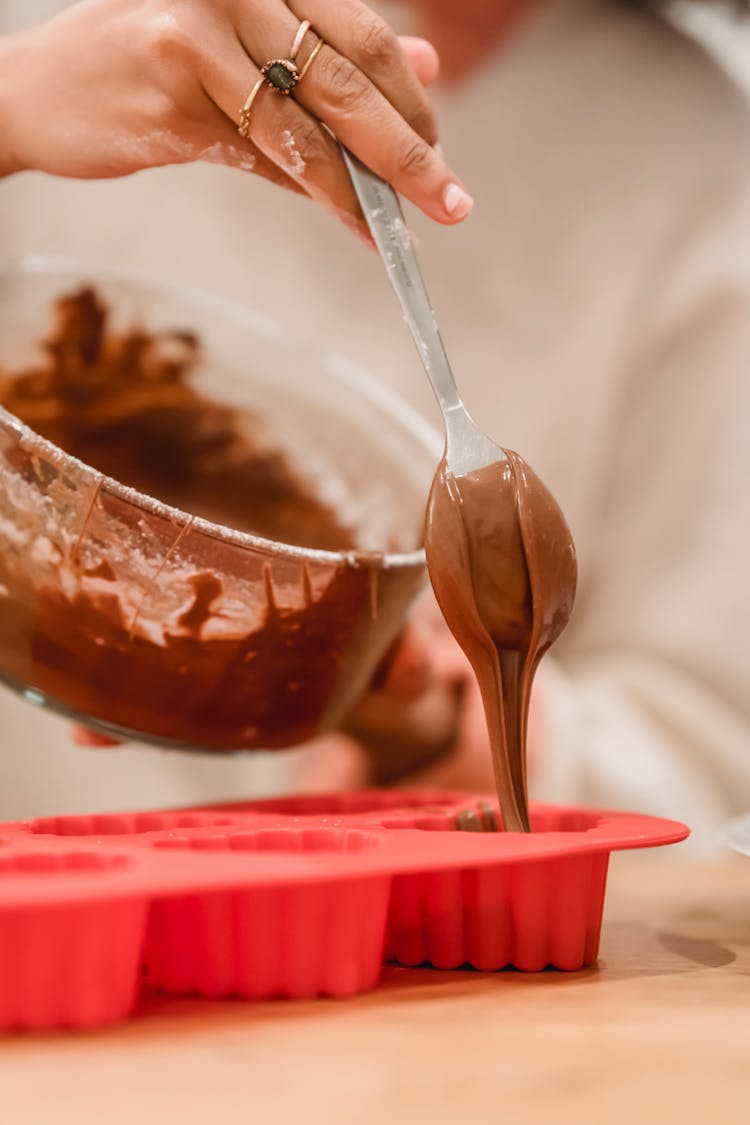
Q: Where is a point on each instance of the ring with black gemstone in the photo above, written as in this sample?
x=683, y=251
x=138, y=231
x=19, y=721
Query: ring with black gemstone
x=281, y=75
x=284, y=74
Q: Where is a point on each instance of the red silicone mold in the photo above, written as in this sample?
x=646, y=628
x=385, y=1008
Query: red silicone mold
x=306, y=938
x=531, y=913
x=72, y=925
x=293, y=898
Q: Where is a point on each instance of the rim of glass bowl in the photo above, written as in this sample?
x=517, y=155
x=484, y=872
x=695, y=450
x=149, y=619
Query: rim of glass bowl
x=388, y=400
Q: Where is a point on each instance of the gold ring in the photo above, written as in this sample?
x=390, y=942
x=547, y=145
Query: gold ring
x=302, y=31
x=245, y=112
x=311, y=59
x=282, y=75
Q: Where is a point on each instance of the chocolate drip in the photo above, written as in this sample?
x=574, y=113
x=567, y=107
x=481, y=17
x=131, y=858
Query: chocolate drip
x=502, y=564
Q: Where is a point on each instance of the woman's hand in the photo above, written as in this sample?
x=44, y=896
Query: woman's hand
x=113, y=86
x=422, y=722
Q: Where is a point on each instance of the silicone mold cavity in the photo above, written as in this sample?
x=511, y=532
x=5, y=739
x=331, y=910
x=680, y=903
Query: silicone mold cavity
x=71, y=962
x=371, y=801
x=543, y=819
x=296, y=940
x=528, y=915
x=549, y=819
x=54, y=863
x=125, y=824
x=277, y=840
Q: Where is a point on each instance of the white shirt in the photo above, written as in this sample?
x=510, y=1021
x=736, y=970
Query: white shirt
x=596, y=306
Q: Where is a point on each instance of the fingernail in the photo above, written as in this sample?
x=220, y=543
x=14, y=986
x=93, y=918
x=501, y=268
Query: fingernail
x=457, y=202
x=82, y=736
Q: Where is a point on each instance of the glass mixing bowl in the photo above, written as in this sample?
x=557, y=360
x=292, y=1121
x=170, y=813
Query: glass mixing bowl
x=97, y=580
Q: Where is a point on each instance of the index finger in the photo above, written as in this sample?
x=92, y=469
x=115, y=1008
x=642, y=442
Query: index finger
x=357, y=33
x=342, y=96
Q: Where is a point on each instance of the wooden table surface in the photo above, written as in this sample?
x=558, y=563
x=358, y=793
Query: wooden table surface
x=659, y=1031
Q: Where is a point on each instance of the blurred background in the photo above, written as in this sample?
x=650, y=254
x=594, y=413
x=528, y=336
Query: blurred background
x=570, y=139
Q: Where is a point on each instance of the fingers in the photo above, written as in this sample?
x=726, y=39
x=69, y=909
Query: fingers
x=469, y=764
x=357, y=34
x=351, y=103
x=334, y=764
x=226, y=146
x=342, y=96
x=423, y=57
x=406, y=670
x=283, y=134
x=426, y=654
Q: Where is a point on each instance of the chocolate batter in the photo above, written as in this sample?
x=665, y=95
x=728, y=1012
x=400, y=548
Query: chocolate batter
x=213, y=672
x=503, y=567
x=122, y=404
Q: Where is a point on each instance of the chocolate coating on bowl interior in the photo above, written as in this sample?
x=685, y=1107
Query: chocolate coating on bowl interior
x=122, y=403
x=211, y=672
x=502, y=563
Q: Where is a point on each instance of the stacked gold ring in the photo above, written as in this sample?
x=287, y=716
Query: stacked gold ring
x=282, y=75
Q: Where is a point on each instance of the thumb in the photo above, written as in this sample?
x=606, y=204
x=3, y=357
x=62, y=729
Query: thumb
x=333, y=764
x=423, y=57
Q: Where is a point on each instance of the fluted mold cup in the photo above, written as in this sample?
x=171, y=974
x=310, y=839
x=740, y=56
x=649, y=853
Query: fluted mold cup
x=94, y=574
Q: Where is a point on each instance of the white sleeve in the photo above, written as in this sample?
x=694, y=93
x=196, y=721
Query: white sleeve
x=646, y=701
